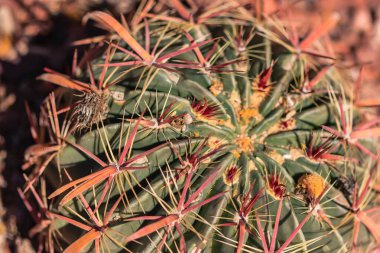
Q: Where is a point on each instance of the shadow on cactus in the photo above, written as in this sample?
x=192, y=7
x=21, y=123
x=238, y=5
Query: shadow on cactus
x=210, y=130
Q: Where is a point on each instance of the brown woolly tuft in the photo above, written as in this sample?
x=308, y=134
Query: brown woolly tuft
x=90, y=109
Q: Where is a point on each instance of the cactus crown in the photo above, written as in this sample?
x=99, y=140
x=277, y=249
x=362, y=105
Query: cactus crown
x=204, y=130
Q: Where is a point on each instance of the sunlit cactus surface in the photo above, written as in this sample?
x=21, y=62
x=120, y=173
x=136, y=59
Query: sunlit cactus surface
x=202, y=127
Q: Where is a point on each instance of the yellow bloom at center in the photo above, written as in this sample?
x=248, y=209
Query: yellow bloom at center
x=244, y=144
x=246, y=115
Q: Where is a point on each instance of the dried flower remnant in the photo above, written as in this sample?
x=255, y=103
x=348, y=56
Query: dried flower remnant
x=90, y=109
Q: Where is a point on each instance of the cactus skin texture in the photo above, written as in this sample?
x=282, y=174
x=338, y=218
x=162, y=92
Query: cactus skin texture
x=210, y=132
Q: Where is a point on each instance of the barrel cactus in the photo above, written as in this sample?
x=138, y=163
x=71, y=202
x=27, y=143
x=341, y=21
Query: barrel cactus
x=204, y=128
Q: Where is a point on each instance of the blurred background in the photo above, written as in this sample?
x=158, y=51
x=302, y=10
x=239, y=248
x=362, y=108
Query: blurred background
x=39, y=33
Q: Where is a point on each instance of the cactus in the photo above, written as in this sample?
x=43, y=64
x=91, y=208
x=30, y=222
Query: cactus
x=205, y=130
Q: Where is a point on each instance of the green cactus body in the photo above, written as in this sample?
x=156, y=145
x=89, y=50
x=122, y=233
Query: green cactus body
x=227, y=154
